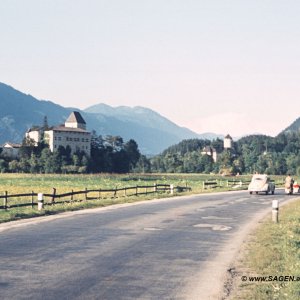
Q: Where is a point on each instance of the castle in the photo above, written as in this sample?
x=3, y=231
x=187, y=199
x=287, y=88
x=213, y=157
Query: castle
x=227, y=144
x=73, y=134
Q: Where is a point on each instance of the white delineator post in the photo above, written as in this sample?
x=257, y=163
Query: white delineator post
x=40, y=201
x=275, y=211
x=172, y=189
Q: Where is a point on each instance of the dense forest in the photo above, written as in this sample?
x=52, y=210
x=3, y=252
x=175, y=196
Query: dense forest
x=255, y=153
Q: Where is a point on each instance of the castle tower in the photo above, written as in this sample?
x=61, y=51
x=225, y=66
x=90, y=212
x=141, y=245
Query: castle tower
x=228, y=142
x=75, y=120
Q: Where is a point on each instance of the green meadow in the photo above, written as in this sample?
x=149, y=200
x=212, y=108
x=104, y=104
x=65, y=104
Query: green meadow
x=272, y=253
x=13, y=184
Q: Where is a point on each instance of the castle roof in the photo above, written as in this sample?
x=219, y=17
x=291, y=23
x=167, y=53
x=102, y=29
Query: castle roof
x=75, y=117
x=11, y=145
x=208, y=149
x=228, y=137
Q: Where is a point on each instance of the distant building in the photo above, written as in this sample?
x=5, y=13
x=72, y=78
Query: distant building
x=36, y=134
x=10, y=150
x=228, y=142
x=73, y=134
x=208, y=150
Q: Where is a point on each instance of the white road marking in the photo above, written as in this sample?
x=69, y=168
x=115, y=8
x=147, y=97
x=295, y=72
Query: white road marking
x=214, y=227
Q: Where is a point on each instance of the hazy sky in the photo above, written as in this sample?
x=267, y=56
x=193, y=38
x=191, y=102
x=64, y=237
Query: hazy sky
x=225, y=66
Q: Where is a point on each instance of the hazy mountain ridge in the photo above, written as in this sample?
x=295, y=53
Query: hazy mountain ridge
x=19, y=111
x=294, y=127
x=142, y=116
x=153, y=132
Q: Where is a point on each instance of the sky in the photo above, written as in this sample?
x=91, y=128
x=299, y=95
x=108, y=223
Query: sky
x=222, y=66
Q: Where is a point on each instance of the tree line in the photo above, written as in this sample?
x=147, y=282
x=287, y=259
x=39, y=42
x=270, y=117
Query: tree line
x=250, y=154
x=255, y=153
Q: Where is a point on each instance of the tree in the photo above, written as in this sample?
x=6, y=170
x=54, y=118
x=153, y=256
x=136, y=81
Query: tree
x=14, y=166
x=3, y=166
x=34, y=164
x=27, y=148
x=133, y=153
x=143, y=165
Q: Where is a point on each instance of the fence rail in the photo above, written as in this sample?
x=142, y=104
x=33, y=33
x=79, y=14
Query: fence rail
x=92, y=194
x=230, y=183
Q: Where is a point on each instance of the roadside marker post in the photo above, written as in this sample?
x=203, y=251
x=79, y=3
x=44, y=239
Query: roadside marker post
x=40, y=201
x=275, y=211
x=172, y=189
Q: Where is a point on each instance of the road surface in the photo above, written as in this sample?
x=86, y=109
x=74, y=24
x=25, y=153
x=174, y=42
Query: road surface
x=175, y=248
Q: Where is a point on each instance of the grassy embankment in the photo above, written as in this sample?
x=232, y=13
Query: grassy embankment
x=274, y=250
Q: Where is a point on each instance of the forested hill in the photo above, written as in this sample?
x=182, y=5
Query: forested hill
x=191, y=145
x=254, y=153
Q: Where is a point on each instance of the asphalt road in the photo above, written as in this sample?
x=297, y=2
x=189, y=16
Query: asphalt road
x=150, y=250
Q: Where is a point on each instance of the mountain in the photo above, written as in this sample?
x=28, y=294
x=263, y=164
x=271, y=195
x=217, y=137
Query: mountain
x=294, y=127
x=141, y=124
x=18, y=112
x=153, y=132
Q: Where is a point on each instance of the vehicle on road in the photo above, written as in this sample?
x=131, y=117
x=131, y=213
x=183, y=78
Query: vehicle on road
x=296, y=187
x=261, y=183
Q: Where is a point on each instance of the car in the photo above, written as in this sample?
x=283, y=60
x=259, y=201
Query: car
x=261, y=183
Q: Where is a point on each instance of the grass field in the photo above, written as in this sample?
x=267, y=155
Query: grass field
x=43, y=183
x=273, y=251
x=26, y=183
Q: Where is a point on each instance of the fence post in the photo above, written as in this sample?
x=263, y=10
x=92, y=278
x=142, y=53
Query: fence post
x=99, y=194
x=115, y=193
x=72, y=195
x=155, y=187
x=32, y=194
x=5, y=201
x=86, y=193
x=136, y=190
x=53, y=196
x=125, y=192
x=40, y=201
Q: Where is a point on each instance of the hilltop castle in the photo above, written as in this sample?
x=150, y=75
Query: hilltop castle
x=227, y=144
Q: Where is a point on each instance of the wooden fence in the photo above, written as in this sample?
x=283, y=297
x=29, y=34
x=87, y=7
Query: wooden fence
x=30, y=199
x=230, y=183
